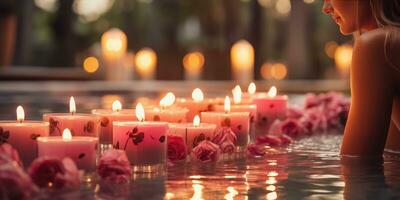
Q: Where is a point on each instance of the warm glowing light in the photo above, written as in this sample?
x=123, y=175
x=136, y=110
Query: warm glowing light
x=278, y=71
x=273, y=173
x=20, y=114
x=66, y=135
x=232, y=192
x=271, y=181
x=227, y=104
x=272, y=196
x=252, y=88
x=116, y=106
x=114, y=44
x=140, y=112
x=343, y=57
x=197, y=95
x=271, y=187
x=237, y=94
x=72, y=106
x=242, y=55
x=167, y=100
x=330, y=48
x=196, y=121
x=309, y=1
x=272, y=91
x=193, y=62
x=197, y=191
x=283, y=7
x=90, y=64
x=145, y=62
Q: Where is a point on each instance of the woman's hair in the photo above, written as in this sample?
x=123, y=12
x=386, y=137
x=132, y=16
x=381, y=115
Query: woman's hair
x=386, y=12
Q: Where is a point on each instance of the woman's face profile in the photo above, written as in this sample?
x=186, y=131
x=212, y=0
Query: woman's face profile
x=343, y=12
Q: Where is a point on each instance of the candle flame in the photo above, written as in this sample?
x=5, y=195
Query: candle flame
x=237, y=94
x=167, y=100
x=116, y=106
x=20, y=114
x=227, y=104
x=72, y=107
x=272, y=92
x=140, y=112
x=197, y=95
x=196, y=121
x=252, y=88
x=67, y=134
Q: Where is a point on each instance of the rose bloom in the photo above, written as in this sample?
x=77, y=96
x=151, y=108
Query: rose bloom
x=254, y=150
x=294, y=112
x=9, y=154
x=269, y=140
x=205, y=152
x=114, y=166
x=55, y=173
x=177, y=149
x=15, y=183
x=227, y=147
x=223, y=134
x=315, y=121
x=292, y=128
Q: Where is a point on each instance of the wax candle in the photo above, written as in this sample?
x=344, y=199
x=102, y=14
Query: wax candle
x=22, y=135
x=269, y=108
x=238, y=121
x=196, y=105
x=193, y=133
x=144, y=142
x=107, y=117
x=242, y=61
x=166, y=112
x=79, y=124
x=81, y=149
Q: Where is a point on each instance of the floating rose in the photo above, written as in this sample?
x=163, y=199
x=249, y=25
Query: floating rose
x=227, y=147
x=176, y=148
x=54, y=173
x=269, y=140
x=223, y=134
x=9, y=154
x=205, y=152
x=199, y=138
x=15, y=183
x=114, y=166
x=254, y=150
x=292, y=128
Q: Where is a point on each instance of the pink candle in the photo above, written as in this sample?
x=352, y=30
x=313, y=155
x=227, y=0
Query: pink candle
x=238, y=121
x=269, y=108
x=81, y=149
x=166, y=112
x=107, y=117
x=145, y=143
x=79, y=124
x=193, y=133
x=196, y=104
x=22, y=135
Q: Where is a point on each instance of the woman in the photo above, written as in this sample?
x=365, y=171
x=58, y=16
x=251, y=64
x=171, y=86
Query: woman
x=374, y=119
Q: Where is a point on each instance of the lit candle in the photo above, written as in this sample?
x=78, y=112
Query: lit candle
x=113, y=46
x=145, y=63
x=79, y=124
x=238, y=121
x=22, y=135
x=242, y=60
x=107, y=117
x=193, y=133
x=144, y=142
x=166, y=112
x=196, y=104
x=81, y=149
x=269, y=108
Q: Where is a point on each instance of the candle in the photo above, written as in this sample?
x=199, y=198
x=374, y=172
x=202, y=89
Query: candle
x=196, y=104
x=193, y=64
x=22, y=135
x=78, y=124
x=145, y=63
x=113, y=46
x=241, y=106
x=242, y=60
x=144, y=142
x=107, y=117
x=81, y=149
x=269, y=108
x=238, y=121
x=193, y=133
x=166, y=112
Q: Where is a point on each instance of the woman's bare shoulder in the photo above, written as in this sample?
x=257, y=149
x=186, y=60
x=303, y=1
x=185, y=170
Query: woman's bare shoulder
x=372, y=40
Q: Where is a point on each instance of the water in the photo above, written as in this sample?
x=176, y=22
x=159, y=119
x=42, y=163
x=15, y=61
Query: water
x=308, y=169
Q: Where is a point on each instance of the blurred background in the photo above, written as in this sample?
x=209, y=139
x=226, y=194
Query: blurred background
x=170, y=40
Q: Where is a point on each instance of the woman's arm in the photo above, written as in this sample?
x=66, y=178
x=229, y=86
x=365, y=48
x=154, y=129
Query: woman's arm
x=372, y=97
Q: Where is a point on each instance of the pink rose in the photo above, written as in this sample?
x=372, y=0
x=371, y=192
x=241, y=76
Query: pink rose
x=254, y=150
x=292, y=128
x=294, y=112
x=15, y=183
x=205, y=152
x=54, y=172
x=114, y=166
x=9, y=154
x=224, y=134
x=315, y=121
x=285, y=140
x=227, y=147
x=176, y=148
x=269, y=140
x=311, y=101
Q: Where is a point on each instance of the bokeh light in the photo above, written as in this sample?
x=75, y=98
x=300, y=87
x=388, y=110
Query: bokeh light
x=277, y=71
x=91, y=64
x=193, y=62
x=330, y=48
x=343, y=57
x=145, y=62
